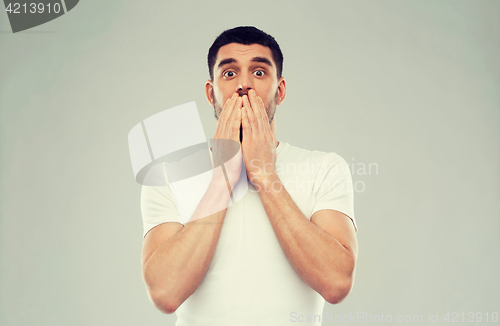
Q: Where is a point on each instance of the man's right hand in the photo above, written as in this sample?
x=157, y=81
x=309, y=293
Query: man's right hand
x=175, y=258
x=226, y=147
x=229, y=122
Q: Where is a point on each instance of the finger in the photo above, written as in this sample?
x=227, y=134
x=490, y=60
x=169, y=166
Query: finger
x=229, y=106
x=261, y=109
x=256, y=108
x=236, y=108
x=265, y=118
x=255, y=104
x=234, y=122
x=247, y=128
x=226, y=111
x=252, y=119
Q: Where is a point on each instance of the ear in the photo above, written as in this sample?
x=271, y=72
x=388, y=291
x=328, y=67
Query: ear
x=209, y=87
x=281, y=90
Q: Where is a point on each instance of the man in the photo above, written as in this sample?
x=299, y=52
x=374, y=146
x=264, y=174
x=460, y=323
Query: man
x=288, y=245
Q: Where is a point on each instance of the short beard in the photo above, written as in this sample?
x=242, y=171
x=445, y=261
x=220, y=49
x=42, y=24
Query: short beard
x=270, y=107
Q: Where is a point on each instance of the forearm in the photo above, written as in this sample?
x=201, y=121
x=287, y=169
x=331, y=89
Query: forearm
x=175, y=270
x=319, y=259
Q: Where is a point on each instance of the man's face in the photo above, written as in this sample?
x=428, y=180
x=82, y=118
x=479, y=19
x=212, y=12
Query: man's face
x=239, y=68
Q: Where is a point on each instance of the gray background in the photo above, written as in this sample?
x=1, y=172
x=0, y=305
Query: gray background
x=409, y=85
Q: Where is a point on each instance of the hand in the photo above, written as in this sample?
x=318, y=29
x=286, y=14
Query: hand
x=226, y=149
x=259, y=148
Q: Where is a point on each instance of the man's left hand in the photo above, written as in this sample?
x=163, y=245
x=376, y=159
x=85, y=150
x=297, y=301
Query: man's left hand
x=258, y=145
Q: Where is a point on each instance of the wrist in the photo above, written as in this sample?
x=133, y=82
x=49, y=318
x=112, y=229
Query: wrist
x=266, y=181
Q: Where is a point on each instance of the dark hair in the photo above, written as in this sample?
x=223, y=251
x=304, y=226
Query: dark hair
x=245, y=35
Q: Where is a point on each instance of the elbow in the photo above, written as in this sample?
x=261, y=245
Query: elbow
x=168, y=308
x=165, y=304
x=337, y=294
x=158, y=296
x=337, y=297
x=340, y=284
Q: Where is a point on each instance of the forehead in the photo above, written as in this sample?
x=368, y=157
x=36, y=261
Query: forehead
x=242, y=52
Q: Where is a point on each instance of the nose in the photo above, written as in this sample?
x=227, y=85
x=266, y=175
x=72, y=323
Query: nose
x=244, y=84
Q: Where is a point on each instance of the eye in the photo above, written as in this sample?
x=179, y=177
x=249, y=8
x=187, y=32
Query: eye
x=228, y=74
x=259, y=73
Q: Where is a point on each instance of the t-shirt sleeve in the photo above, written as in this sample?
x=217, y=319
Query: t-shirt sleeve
x=336, y=188
x=157, y=207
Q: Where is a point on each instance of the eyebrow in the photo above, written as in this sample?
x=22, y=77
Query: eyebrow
x=262, y=60
x=225, y=62
x=255, y=59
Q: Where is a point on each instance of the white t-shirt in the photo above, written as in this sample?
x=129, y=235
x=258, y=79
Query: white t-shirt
x=250, y=281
